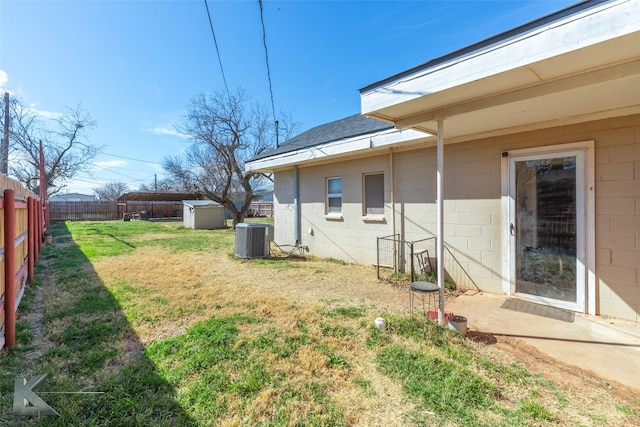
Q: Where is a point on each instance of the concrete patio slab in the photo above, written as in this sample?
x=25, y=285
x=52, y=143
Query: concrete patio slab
x=610, y=348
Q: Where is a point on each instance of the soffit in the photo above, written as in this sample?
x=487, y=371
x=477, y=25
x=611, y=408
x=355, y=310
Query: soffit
x=534, y=86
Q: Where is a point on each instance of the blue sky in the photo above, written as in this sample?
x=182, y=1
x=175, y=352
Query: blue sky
x=134, y=65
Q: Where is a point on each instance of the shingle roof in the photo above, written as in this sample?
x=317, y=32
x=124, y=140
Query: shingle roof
x=348, y=127
x=144, y=196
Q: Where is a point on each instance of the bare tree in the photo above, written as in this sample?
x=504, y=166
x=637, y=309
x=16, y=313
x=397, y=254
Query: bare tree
x=226, y=131
x=66, y=147
x=166, y=185
x=111, y=190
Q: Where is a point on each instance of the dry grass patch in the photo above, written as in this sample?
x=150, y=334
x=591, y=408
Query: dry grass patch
x=177, y=290
x=295, y=299
x=310, y=345
x=201, y=338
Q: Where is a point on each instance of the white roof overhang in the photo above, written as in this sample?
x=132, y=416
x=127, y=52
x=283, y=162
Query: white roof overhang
x=201, y=203
x=583, y=65
x=362, y=145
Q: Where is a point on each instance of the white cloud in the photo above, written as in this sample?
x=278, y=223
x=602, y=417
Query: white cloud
x=4, y=77
x=155, y=167
x=165, y=131
x=31, y=109
x=45, y=114
x=110, y=164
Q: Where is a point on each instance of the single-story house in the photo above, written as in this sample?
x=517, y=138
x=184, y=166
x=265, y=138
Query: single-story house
x=151, y=196
x=521, y=151
x=264, y=194
x=72, y=197
x=203, y=214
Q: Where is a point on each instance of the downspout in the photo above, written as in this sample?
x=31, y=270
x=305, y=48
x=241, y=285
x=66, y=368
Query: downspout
x=393, y=210
x=439, y=220
x=296, y=206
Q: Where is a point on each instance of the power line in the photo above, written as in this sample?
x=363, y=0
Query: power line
x=110, y=167
x=97, y=180
x=217, y=50
x=266, y=54
x=118, y=173
x=129, y=158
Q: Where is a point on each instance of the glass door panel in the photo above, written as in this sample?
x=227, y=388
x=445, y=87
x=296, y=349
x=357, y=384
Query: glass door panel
x=546, y=220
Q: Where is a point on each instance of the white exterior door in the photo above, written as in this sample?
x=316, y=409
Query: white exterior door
x=546, y=222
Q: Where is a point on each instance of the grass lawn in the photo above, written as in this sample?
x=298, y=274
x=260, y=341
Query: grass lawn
x=171, y=329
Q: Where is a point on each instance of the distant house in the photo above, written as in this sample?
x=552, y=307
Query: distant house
x=264, y=194
x=72, y=197
x=150, y=196
x=534, y=135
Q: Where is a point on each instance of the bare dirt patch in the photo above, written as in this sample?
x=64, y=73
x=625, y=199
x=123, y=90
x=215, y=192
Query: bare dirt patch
x=34, y=317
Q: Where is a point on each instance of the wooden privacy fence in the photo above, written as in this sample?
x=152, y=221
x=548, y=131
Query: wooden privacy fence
x=106, y=210
x=261, y=209
x=99, y=210
x=23, y=222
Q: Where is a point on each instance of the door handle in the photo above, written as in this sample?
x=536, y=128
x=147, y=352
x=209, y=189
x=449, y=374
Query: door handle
x=512, y=229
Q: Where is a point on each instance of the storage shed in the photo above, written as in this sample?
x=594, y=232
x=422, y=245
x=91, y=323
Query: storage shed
x=203, y=214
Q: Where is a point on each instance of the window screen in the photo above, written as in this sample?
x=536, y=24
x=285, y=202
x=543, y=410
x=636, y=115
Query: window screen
x=374, y=194
x=334, y=195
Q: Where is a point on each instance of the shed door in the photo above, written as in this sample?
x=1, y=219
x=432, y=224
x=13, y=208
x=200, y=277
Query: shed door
x=546, y=226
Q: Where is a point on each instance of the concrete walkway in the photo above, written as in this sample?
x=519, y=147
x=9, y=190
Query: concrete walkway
x=608, y=347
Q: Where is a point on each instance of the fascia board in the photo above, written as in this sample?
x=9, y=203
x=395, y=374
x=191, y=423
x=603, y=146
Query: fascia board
x=591, y=26
x=335, y=149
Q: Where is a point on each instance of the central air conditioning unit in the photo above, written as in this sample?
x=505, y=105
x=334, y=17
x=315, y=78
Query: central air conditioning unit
x=252, y=240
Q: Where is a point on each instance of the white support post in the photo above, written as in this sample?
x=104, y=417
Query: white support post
x=296, y=206
x=440, y=219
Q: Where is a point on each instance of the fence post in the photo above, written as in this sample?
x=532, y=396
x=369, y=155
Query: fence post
x=41, y=225
x=413, y=275
x=9, y=268
x=378, y=257
x=47, y=215
x=31, y=248
x=38, y=229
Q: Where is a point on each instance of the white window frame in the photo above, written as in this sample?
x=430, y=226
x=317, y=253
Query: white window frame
x=329, y=196
x=589, y=216
x=365, y=208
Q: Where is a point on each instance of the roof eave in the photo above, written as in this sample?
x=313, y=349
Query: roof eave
x=481, y=45
x=508, y=63
x=335, y=149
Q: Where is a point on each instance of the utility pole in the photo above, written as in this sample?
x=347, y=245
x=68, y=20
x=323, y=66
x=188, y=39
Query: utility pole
x=4, y=149
x=155, y=181
x=43, y=177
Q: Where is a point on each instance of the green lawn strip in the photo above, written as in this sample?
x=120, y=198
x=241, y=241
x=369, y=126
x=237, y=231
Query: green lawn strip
x=215, y=371
x=188, y=240
x=451, y=392
x=113, y=238
x=347, y=312
x=453, y=383
x=12, y=359
x=86, y=326
x=278, y=264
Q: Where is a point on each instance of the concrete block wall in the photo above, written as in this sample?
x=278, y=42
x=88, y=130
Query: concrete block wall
x=617, y=174
x=471, y=210
x=617, y=205
x=473, y=216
